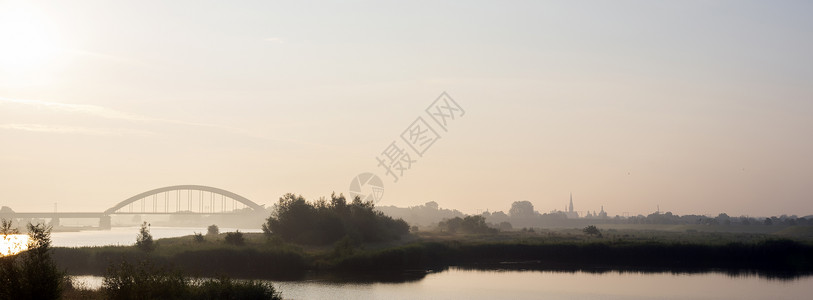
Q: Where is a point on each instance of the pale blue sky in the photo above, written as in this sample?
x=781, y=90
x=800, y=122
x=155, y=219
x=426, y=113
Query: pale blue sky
x=696, y=106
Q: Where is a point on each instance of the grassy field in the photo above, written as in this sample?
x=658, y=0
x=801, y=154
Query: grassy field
x=784, y=252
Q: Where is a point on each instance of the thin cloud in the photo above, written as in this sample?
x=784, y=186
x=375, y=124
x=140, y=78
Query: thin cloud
x=60, y=129
x=107, y=113
x=97, y=111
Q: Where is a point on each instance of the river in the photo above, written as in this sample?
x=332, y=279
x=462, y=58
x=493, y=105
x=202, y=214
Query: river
x=479, y=284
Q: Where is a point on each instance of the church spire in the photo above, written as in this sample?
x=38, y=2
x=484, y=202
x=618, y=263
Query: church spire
x=570, y=208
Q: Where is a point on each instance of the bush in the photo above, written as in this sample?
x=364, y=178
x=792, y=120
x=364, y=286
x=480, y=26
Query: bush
x=225, y=288
x=145, y=281
x=212, y=230
x=199, y=237
x=469, y=224
x=235, y=238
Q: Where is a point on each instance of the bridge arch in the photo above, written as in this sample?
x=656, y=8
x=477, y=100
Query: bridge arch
x=200, y=188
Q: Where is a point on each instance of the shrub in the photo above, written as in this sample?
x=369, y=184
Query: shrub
x=145, y=281
x=199, y=237
x=212, y=230
x=469, y=224
x=225, y=288
x=235, y=238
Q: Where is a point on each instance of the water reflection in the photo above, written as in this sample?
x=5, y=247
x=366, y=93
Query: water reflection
x=456, y=283
x=459, y=283
x=538, y=266
x=13, y=243
x=409, y=276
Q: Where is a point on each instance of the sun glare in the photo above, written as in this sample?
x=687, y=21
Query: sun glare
x=13, y=244
x=26, y=41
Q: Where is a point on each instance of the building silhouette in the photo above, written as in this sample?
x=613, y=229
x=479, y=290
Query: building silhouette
x=570, y=213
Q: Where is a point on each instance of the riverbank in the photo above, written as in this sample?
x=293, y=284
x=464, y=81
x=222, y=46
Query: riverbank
x=415, y=255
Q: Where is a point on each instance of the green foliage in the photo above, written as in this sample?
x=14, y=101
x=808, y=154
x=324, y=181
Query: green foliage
x=33, y=273
x=145, y=281
x=343, y=247
x=225, y=288
x=7, y=228
x=321, y=223
x=235, y=238
x=469, y=224
x=522, y=209
x=212, y=230
x=198, y=237
x=592, y=230
x=144, y=239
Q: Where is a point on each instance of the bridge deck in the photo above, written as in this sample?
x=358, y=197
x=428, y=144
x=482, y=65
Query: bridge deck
x=51, y=215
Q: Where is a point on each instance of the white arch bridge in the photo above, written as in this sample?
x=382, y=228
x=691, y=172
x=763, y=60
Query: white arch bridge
x=171, y=200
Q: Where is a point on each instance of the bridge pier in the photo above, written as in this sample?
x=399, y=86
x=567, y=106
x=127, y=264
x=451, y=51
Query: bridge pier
x=105, y=222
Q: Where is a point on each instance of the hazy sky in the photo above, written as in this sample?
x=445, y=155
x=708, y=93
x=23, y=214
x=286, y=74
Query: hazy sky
x=696, y=106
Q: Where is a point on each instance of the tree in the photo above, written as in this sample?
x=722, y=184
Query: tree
x=7, y=228
x=42, y=278
x=324, y=222
x=144, y=239
x=592, y=230
x=212, y=230
x=469, y=224
x=522, y=209
x=505, y=226
x=33, y=273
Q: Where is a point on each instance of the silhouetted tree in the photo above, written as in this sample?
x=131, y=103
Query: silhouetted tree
x=469, y=224
x=7, y=228
x=324, y=222
x=522, y=209
x=144, y=239
x=33, y=273
x=212, y=230
x=592, y=230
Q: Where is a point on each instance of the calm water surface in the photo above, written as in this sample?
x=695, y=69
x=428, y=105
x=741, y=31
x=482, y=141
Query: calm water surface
x=466, y=284
x=473, y=284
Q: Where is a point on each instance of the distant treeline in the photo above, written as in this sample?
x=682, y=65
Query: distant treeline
x=522, y=214
x=558, y=218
